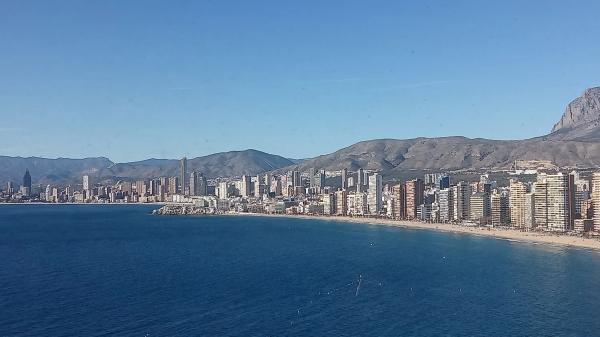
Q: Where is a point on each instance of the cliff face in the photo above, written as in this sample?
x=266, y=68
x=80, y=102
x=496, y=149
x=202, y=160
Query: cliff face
x=581, y=119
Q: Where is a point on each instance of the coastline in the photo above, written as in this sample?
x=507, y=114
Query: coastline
x=497, y=233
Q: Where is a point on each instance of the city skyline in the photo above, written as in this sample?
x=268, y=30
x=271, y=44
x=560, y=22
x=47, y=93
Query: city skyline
x=460, y=67
x=554, y=201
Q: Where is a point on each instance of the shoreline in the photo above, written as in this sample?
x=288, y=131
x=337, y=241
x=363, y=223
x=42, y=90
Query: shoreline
x=496, y=233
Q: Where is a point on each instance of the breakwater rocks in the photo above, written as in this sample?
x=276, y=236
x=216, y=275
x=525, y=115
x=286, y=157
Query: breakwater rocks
x=182, y=210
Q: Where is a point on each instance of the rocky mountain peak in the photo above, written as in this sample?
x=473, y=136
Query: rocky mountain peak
x=584, y=111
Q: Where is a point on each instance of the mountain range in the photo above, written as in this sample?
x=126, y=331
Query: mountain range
x=574, y=141
x=69, y=171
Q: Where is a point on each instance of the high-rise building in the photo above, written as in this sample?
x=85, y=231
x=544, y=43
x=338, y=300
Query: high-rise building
x=319, y=179
x=154, y=187
x=571, y=189
x=596, y=199
x=246, y=185
x=202, y=185
x=27, y=180
x=580, y=197
x=480, y=207
x=164, y=183
x=267, y=184
x=443, y=182
x=277, y=186
x=48, y=193
x=140, y=188
x=529, y=214
x=87, y=183
x=462, y=201
x=398, y=201
x=183, y=176
x=193, y=182
x=557, y=202
x=540, y=200
x=375, y=193
x=358, y=203
x=173, y=185
x=495, y=208
x=296, y=179
x=125, y=187
x=446, y=205
x=312, y=177
x=329, y=204
x=414, y=190
x=341, y=198
x=222, y=191
x=259, y=187
x=360, y=180
x=344, y=174
x=517, y=203
x=26, y=187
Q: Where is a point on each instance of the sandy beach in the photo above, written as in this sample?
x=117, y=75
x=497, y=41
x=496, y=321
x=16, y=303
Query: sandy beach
x=499, y=233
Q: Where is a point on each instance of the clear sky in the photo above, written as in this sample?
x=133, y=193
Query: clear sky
x=137, y=79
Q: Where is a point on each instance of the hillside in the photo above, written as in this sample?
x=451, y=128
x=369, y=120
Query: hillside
x=224, y=164
x=574, y=142
x=69, y=171
x=455, y=153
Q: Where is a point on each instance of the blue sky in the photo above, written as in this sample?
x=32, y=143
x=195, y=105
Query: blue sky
x=137, y=79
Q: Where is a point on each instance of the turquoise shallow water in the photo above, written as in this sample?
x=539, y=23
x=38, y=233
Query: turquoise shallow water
x=89, y=270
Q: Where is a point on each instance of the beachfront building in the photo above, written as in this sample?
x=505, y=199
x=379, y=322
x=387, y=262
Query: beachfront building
x=553, y=206
x=398, y=201
x=446, y=205
x=357, y=204
x=329, y=204
x=596, y=200
x=341, y=197
x=374, y=194
x=414, y=190
x=480, y=207
x=462, y=201
x=499, y=209
x=529, y=211
x=517, y=203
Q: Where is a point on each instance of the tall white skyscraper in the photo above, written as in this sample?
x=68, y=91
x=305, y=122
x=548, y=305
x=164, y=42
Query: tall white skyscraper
x=374, y=193
x=87, y=183
x=553, y=207
x=596, y=199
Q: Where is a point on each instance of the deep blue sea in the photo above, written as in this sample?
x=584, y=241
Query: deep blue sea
x=89, y=270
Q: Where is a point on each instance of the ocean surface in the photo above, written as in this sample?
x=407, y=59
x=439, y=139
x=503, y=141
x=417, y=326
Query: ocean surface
x=90, y=270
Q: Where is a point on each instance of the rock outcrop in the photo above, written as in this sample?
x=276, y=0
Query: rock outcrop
x=581, y=119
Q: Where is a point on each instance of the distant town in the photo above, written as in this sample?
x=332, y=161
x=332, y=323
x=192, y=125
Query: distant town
x=552, y=201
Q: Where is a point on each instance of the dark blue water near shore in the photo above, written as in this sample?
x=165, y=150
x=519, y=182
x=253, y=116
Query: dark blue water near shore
x=116, y=270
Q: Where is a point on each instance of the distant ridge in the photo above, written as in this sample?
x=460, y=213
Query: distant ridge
x=573, y=143
x=69, y=171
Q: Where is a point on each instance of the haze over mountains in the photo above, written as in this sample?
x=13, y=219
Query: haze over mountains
x=63, y=171
x=574, y=141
